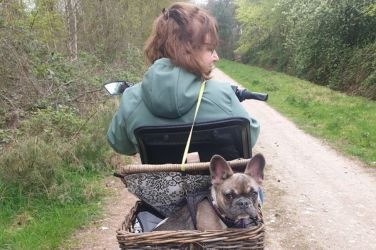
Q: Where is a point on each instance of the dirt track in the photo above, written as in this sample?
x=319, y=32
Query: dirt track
x=315, y=198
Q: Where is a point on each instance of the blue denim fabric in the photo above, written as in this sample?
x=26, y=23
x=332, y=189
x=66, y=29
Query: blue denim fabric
x=261, y=195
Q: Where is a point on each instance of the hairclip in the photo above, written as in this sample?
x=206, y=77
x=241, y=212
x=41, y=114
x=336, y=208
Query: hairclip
x=174, y=14
x=166, y=13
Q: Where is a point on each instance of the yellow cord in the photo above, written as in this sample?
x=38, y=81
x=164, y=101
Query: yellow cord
x=182, y=168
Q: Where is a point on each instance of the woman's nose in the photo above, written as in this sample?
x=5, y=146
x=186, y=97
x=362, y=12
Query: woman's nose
x=215, y=55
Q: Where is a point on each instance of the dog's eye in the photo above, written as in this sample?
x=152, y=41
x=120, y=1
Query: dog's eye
x=229, y=196
x=253, y=194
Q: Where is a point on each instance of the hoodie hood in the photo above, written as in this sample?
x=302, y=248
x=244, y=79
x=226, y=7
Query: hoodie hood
x=169, y=91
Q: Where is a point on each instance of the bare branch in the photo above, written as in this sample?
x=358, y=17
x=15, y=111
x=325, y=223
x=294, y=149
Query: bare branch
x=8, y=100
x=85, y=93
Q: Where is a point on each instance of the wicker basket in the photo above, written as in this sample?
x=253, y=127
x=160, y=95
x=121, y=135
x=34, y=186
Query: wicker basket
x=232, y=238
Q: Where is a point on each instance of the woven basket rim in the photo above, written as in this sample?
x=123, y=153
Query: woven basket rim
x=236, y=237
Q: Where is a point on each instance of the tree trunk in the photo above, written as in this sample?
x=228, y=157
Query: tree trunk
x=71, y=12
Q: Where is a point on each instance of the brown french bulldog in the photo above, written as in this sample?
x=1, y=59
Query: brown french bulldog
x=233, y=200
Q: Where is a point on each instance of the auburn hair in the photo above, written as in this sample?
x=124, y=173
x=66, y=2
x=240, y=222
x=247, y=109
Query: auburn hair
x=179, y=33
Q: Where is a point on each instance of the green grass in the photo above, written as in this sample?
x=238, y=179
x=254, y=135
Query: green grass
x=347, y=123
x=53, y=164
x=44, y=223
x=49, y=187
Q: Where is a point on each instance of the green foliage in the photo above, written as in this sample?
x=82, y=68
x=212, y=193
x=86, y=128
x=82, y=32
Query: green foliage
x=256, y=19
x=327, y=32
x=370, y=10
x=62, y=123
x=48, y=23
x=92, y=148
x=57, y=140
x=51, y=177
x=319, y=40
x=31, y=166
x=43, y=222
x=228, y=27
x=51, y=161
x=132, y=60
x=330, y=115
x=13, y=12
x=54, y=112
x=122, y=24
x=263, y=39
x=33, y=49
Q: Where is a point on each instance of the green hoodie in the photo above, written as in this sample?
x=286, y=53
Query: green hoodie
x=167, y=95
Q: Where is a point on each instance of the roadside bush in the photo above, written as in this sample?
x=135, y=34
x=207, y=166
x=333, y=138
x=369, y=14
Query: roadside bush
x=62, y=122
x=328, y=42
x=91, y=147
x=58, y=143
x=64, y=137
x=92, y=150
x=54, y=115
x=31, y=165
x=360, y=67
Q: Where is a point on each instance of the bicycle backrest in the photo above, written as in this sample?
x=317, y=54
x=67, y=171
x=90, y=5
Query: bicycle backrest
x=165, y=144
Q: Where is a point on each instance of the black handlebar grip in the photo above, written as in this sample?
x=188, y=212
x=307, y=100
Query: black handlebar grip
x=243, y=94
x=257, y=96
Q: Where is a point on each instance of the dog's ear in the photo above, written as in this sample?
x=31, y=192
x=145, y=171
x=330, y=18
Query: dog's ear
x=255, y=168
x=220, y=170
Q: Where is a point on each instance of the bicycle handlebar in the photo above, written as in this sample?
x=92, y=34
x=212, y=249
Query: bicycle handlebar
x=244, y=94
x=118, y=87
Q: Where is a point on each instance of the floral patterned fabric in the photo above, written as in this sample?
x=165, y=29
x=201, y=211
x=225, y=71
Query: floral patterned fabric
x=165, y=191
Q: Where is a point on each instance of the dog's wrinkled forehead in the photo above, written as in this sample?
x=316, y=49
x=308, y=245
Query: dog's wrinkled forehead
x=241, y=183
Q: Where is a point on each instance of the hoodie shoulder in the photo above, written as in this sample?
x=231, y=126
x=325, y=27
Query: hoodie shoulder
x=169, y=91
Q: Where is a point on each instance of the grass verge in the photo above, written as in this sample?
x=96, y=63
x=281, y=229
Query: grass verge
x=348, y=123
x=55, y=157
x=42, y=223
x=51, y=185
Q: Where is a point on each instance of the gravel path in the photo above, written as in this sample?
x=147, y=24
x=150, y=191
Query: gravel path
x=315, y=198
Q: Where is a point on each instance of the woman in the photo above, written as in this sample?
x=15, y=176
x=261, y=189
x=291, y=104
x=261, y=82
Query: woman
x=181, y=51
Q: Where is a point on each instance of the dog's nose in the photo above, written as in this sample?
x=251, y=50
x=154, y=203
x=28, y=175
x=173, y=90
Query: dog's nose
x=242, y=203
